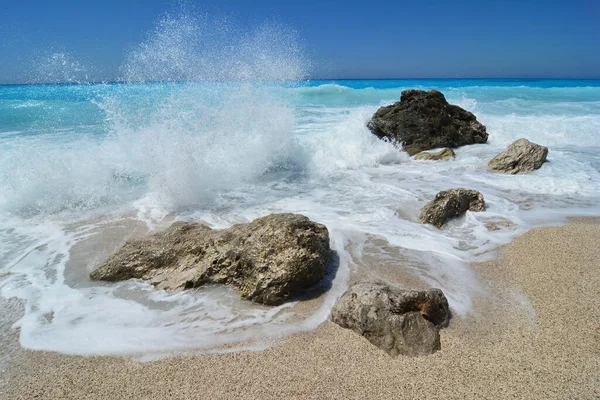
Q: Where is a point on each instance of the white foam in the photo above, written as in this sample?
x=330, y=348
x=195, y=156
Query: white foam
x=131, y=318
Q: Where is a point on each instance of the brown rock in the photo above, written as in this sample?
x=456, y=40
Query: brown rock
x=269, y=260
x=396, y=320
x=449, y=204
x=442, y=155
x=424, y=120
x=520, y=156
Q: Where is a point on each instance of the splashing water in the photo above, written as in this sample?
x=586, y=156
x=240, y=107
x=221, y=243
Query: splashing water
x=58, y=67
x=178, y=141
x=195, y=48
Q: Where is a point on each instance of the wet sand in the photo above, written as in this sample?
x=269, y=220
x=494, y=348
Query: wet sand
x=535, y=334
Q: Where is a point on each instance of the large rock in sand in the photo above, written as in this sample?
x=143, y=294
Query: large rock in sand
x=424, y=120
x=269, y=260
x=450, y=204
x=396, y=320
x=520, y=156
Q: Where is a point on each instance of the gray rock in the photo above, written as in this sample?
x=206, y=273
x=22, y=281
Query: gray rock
x=424, y=120
x=449, y=204
x=442, y=155
x=269, y=260
x=396, y=320
x=520, y=156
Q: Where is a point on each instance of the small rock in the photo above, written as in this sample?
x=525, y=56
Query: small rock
x=450, y=204
x=396, y=320
x=424, y=120
x=520, y=156
x=269, y=260
x=442, y=155
x=498, y=225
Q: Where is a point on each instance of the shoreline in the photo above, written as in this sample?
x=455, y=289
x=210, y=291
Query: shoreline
x=535, y=334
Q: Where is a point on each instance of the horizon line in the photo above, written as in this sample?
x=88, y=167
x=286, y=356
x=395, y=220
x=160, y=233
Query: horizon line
x=110, y=82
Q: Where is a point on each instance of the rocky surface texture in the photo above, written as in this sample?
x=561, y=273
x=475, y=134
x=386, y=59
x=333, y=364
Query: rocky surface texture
x=520, y=156
x=450, y=204
x=424, y=120
x=396, y=320
x=269, y=260
x=442, y=155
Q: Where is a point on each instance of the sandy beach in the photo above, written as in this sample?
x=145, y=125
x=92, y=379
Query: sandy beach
x=535, y=334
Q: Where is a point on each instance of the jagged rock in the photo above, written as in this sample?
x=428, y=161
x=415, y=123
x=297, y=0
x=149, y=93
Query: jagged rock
x=396, y=320
x=442, y=155
x=520, y=156
x=269, y=260
x=424, y=120
x=449, y=204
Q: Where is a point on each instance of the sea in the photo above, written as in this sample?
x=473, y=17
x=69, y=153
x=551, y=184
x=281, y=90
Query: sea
x=85, y=166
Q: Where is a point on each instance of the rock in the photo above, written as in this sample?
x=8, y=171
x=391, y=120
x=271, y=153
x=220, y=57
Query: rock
x=520, y=156
x=424, y=120
x=442, y=155
x=396, y=320
x=493, y=226
x=449, y=204
x=269, y=260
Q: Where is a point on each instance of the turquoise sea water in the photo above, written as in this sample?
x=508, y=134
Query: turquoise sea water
x=79, y=161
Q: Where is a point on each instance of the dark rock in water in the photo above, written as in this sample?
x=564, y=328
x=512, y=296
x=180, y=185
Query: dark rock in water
x=520, y=156
x=424, y=120
x=269, y=260
x=442, y=155
x=449, y=204
x=396, y=320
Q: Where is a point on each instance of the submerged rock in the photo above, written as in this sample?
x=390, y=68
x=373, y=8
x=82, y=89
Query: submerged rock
x=520, y=156
x=424, y=120
x=449, y=204
x=493, y=226
x=269, y=260
x=442, y=155
x=396, y=320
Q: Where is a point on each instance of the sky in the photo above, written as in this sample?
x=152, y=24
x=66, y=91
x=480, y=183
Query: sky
x=343, y=39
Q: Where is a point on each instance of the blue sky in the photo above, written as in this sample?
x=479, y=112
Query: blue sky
x=344, y=39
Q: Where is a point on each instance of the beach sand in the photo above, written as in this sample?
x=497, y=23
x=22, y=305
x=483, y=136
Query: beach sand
x=535, y=334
